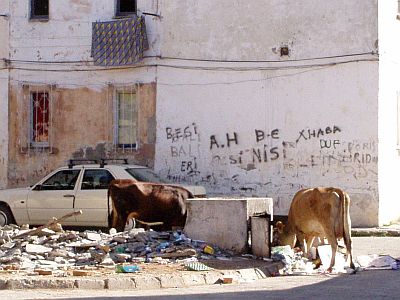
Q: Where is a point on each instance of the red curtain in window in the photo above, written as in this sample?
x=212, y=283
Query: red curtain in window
x=40, y=117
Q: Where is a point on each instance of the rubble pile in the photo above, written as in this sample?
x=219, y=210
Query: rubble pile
x=50, y=250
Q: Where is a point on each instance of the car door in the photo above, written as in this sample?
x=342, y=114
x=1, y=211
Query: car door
x=54, y=197
x=91, y=197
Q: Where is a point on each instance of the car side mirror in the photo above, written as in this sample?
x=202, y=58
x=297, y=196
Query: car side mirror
x=38, y=187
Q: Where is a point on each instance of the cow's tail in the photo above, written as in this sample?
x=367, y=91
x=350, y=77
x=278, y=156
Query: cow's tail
x=345, y=207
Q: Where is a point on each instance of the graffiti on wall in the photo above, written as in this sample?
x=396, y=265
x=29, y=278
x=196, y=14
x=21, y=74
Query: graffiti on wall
x=249, y=156
x=184, y=145
x=261, y=149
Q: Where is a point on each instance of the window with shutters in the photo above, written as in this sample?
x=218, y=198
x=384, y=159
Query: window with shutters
x=126, y=119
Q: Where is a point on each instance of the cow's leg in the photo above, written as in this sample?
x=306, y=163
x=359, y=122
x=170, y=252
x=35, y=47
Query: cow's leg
x=334, y=245
x=303, y=243
x=349, y=253
x=120, y=222
x=310, y=242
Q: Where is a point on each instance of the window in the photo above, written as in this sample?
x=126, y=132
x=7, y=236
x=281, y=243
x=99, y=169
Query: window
x=127, y=120
x=145, y=175
x=62, y=180
x=40, y=9
x=125, y=7
x=40, y=116
x=96, y=179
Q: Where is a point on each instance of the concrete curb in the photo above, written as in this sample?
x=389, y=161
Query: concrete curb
x=376, y=231
x=139, y=281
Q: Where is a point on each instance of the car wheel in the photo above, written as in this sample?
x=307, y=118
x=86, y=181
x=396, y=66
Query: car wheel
x=6, y=216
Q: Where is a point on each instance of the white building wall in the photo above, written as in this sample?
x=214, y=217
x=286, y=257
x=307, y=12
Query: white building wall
x=208, y=109
x=64, y=41
x=4, y=50
x=269, y=126
x=56, y=52
x=389, y=111
x=66, y=36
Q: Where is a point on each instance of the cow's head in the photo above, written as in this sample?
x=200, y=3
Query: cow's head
x=282, y=235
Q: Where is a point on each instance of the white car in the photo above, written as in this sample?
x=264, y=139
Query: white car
x=72, y=188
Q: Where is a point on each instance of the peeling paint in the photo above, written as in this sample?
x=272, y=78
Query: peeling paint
x=81, y=126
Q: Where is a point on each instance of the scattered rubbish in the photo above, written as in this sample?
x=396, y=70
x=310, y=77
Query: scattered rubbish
x=227, y=279
x=43, y=272
x=197, y=266
x=224, y=258
x=208, y=250
x=395, y=265
x=51, y=250
x=325, y=255
x=375, y=262
x=81, y=273
x=320, y=258
x=126, y=269
x=286, y=255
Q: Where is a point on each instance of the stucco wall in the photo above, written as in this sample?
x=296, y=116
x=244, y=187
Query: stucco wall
x=270, y=134
x=81, y=126
x=267, y=125
x=56, y=54
x=4, y=50
x=389, y=114
x=254, y=30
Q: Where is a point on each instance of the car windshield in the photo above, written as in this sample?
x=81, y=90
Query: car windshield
x=145, y=175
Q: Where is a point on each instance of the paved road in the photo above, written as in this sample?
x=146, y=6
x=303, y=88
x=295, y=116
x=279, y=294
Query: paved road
x=363, y=285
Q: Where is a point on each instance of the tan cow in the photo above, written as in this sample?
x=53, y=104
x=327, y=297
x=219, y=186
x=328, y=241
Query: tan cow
x=319, y=212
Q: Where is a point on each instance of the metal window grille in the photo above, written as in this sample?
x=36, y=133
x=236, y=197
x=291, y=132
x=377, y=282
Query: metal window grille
x=39, y=9
x=126, y=120
x=40, y=118
x=126, y=7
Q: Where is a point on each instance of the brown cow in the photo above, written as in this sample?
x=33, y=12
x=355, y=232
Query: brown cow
x=147, y=202
x=318, y=212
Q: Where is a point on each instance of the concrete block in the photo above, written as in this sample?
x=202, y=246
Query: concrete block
x=171, y=281
x=261, y=236
x=20, y=283
x=90, y=284
x=213, y=277
x=193, y=279
x=53, y=283
x=147, y=282
x=224, y=221
x=120, y=284
x=3, y=284
x=251, y=274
